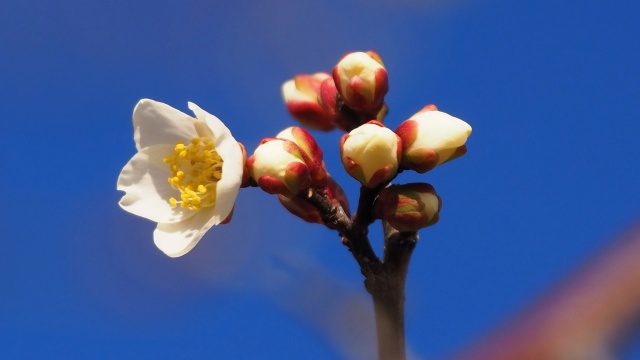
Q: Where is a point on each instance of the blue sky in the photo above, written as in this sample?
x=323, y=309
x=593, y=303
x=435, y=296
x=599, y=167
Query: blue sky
x=550, y=88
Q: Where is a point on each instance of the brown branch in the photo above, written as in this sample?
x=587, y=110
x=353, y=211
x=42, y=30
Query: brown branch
x=364, y=213
x=389, y=292
x=332, y=215
x=384, y=280
x=398, y=247
x=354, y=238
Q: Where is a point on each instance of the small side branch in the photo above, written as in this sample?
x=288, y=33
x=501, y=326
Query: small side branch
x=354, y=238
x=333, y=216
x=364, y=214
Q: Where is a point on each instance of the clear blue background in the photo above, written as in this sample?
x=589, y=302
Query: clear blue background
x=551, y=176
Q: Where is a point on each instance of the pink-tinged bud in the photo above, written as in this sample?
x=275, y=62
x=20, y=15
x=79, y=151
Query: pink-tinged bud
x=307, y=212
x=408, y=207
x=342, y=116
x=362, y=81
x=301, y=209
x=278, y=167
x=311, y=153
x=430, y=138
x=301, y=96
x=371, y=153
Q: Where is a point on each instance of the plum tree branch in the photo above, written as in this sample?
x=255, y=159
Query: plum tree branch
x=384, y=280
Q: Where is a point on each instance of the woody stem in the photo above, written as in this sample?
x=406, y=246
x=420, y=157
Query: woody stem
x=384, y=280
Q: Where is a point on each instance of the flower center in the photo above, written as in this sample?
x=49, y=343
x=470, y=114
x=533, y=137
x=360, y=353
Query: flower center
x=195, y=171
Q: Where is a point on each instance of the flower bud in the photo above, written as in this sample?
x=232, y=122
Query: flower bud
x=343, y=117
x=430, y=138
x=307, y=212
x=362, y=81
x=311, y=152
x=408, y=207
x=301, y=96
x=278, y=167
x=301, y=208
x=371, y=153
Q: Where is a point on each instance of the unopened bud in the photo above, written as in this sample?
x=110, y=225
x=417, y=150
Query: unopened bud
x=371, y=153
x=362, y=81
x=301, y=96
x=309, y=213
x=430, y=138
x=311, y=152
x=408, y=207
x=343, y=117
x=278, y=167
x=301, y=209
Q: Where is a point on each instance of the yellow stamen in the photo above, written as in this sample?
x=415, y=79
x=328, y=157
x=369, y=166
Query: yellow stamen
x=195, y=171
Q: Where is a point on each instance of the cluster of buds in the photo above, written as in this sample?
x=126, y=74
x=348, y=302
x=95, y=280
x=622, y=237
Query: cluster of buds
x=348, y=97
x=351, y=98
x=207, y=166
x=373, y=155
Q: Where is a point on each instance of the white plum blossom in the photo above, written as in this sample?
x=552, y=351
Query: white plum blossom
x=185, y=176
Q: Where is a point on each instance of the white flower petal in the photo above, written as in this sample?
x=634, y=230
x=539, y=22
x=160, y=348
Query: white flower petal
x=158, y=123
x=179, y=238
x=144, y=179
x=232, y=166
